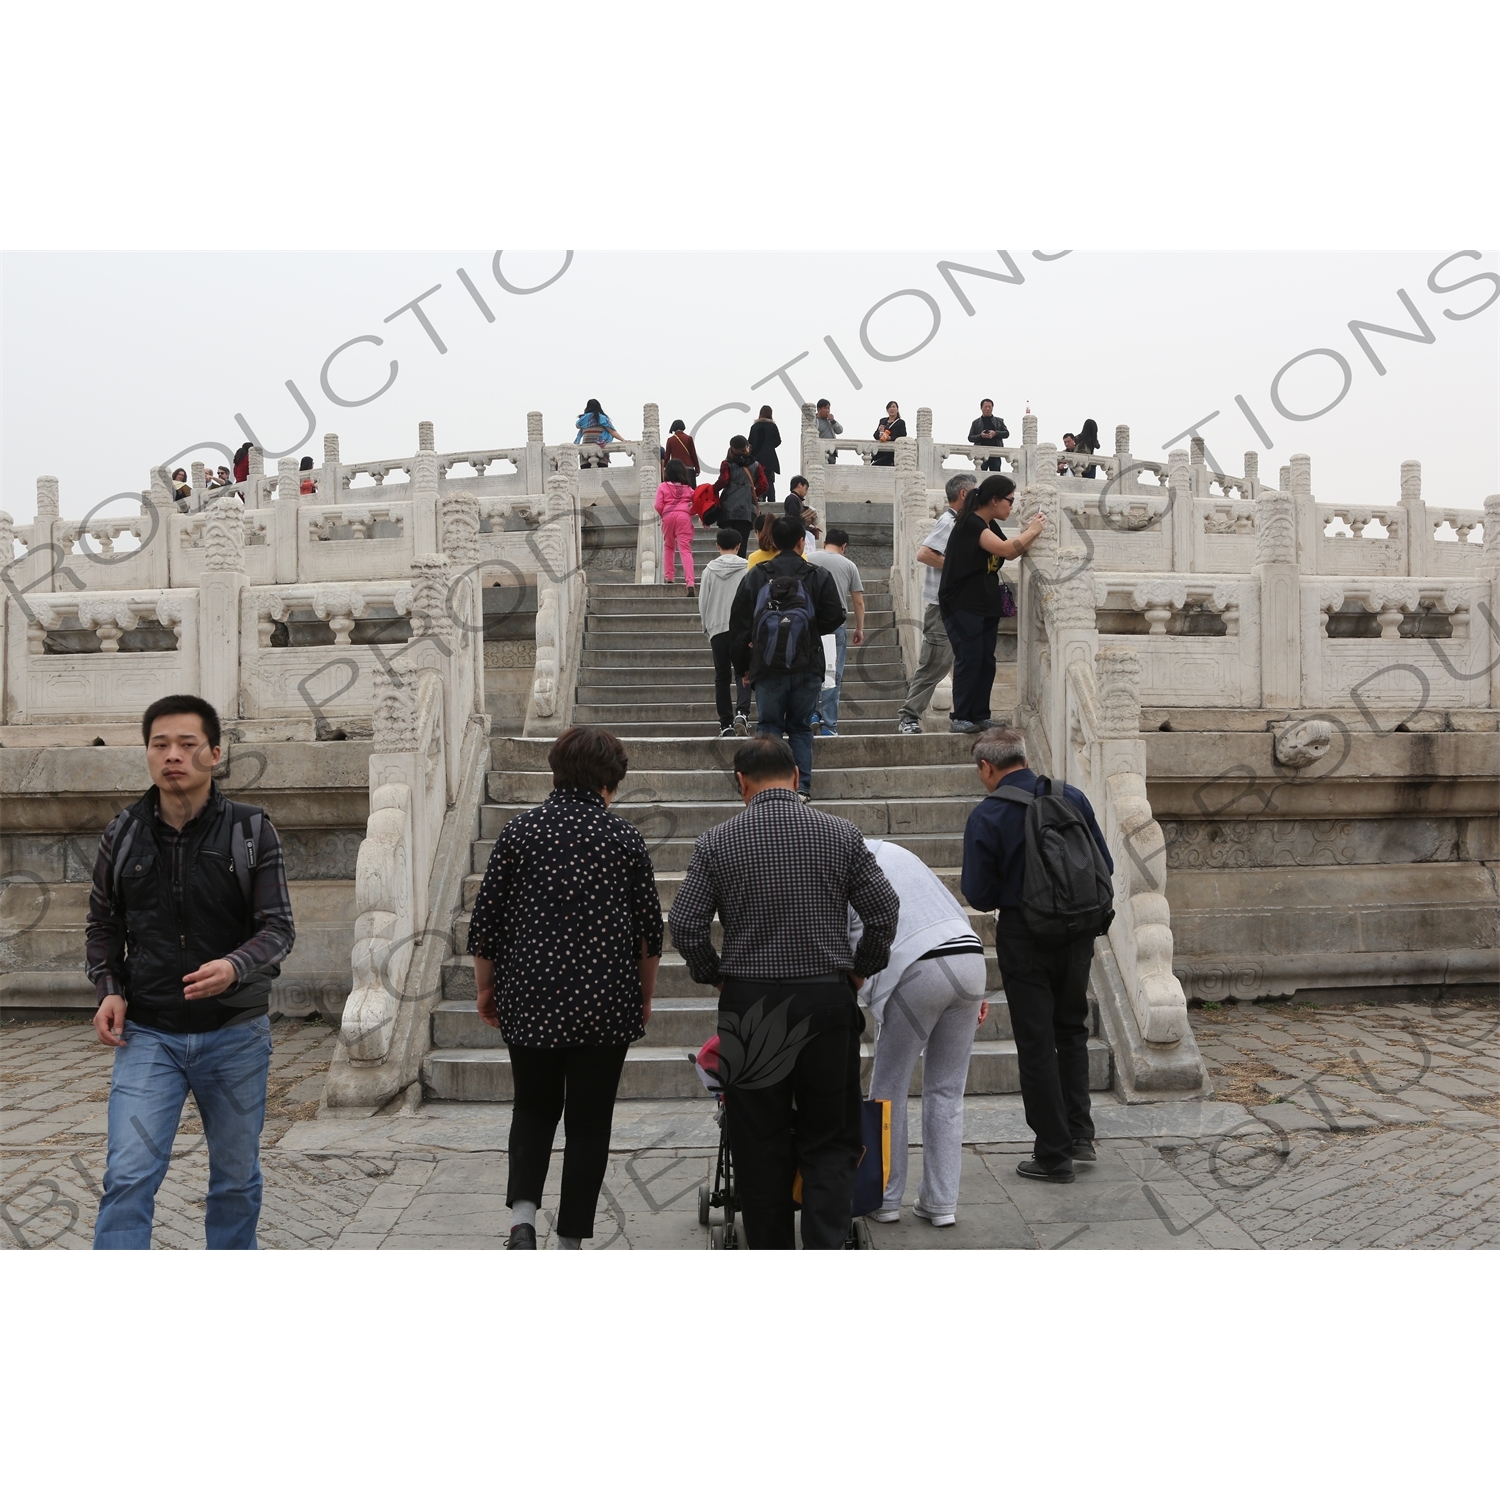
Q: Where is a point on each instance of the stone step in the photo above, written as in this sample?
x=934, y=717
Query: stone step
x=708, y=728
x=640, y=684
x=983, y=924
x=874, y=817
x=674, y=853
x=682, y=1023
x=483, y=1074
x=854, y=710
x=673, y=982
x=512, y=753
x=717, y=785
x=665, y=664
x=613, y=685
x=669, y=881
x=610, y=600
x=688, y=625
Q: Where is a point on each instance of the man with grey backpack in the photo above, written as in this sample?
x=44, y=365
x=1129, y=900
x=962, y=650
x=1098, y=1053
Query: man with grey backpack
x=780, y=614
x=1035, y=856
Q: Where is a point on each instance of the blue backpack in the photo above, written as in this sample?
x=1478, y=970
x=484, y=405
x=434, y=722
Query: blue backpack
x=784, y=635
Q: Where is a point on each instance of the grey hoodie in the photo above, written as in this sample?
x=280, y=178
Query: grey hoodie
x=716, y=588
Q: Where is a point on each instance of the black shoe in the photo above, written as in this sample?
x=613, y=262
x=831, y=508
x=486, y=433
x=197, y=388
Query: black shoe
x=1033, y=1169
x=1083, y=1151
x=522, y=1237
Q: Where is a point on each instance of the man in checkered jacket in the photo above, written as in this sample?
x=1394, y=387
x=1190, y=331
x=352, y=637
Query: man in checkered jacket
x=781, y=878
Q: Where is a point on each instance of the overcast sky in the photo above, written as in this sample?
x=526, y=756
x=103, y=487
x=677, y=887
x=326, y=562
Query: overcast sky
x=115, y=361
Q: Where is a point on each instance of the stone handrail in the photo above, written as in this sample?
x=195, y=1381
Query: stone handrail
x=408, y=797
x=1106, y=757
x=562, y=597
x=864, y=449
x=911, y=521
x=1086, y=729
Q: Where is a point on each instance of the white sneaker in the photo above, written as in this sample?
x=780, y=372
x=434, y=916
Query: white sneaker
x=887, y=1216
x=938, y=1221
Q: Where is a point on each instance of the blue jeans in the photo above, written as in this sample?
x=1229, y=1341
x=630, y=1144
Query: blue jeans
x=785, y=704
x=226, y=1071
x=829, y=709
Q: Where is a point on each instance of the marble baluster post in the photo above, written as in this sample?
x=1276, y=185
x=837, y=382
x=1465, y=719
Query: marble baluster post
x=423, y=490
x=536, y=458
x=1281, y=622
x=219, y=590
x=1489, y=570
x=1299, y=485
x=1418, y=541
x=648, y=538
x=291, y=545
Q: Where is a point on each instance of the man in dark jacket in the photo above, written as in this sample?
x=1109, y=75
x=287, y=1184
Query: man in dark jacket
x=784, y=699
x=988, y=431
x=1046, y=985
x=189, y=920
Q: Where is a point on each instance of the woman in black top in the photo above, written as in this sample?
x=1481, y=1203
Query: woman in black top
x=969, y=594
x=765, y=439
x=1087, y=441
x=888, y=431
x=566, y=935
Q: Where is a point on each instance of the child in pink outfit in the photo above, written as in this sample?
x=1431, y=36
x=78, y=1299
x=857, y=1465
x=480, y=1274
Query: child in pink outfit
x=674, y=504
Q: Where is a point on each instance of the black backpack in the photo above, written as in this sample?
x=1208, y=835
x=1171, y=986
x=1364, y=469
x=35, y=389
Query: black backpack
x=244, y=834
x=785, y=629
x=1067, y=891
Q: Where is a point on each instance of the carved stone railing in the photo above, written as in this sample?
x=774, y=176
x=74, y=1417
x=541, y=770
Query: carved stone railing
x=562, y=599
x=911, y=522
x=408, y=799
x=1079, y=706
x=1141, y=1000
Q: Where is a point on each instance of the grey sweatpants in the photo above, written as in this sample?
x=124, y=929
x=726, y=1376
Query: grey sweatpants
x=934, y=664
x=935, y=1005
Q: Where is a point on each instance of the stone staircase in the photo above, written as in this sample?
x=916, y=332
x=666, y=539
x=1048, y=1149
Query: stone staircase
x=645, y=676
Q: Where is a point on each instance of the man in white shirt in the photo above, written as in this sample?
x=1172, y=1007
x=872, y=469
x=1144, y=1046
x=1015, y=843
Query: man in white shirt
x=936, y=660
x=830, y=557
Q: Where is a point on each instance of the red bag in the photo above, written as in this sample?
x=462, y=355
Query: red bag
x=704, y=501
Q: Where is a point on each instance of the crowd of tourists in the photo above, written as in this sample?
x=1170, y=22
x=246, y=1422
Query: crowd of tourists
x=814, y=917
x=190, y=917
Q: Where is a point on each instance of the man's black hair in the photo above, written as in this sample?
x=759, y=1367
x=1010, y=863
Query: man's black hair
x=765, y=758
x=837, y=535
x=728, y=540
x=182, y=703
x=823, y=401
x=786, y=533
x=798, y=479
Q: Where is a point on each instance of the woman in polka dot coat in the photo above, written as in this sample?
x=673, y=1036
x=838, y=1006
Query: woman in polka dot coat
x=566, y=934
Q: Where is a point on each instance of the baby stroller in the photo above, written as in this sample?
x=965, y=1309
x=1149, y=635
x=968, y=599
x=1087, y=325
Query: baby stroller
x=721, y=1193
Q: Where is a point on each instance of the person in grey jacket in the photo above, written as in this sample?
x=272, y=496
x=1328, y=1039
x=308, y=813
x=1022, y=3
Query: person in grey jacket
x=716, y=591
x=828, y=426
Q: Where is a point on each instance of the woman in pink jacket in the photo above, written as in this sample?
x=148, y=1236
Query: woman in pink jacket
x=674, y=504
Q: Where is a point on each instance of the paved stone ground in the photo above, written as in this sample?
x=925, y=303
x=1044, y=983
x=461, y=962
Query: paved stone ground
x=1342, y=1126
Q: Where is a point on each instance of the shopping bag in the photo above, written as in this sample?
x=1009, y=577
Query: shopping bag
x=874, y=1169
x=830, y=662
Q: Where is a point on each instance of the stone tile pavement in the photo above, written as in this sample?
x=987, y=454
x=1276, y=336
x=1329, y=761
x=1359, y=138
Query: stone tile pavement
x=1340, y=1126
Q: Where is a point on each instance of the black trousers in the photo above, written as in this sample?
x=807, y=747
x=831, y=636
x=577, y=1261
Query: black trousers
x=578, y=1086
x=973, y=640
x=1047, y=989
x=727, y=682
x=792, y=1103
